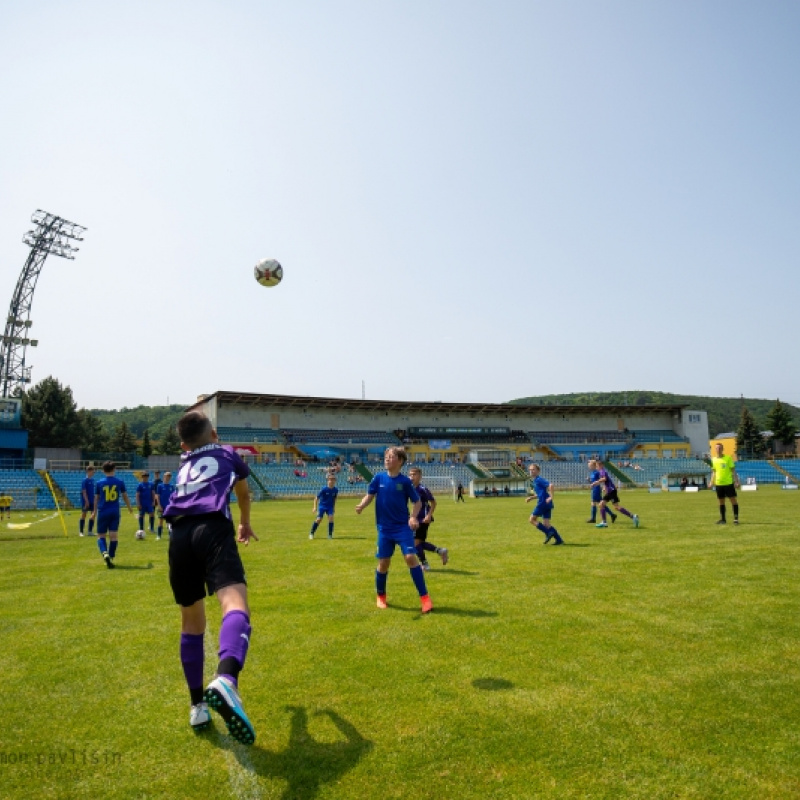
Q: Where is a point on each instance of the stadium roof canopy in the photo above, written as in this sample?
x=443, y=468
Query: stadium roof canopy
x=224, y=398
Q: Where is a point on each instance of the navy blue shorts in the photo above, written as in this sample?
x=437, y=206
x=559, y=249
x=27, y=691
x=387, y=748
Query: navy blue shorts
x=109, y=522
x=543, y=510
x=398, y=537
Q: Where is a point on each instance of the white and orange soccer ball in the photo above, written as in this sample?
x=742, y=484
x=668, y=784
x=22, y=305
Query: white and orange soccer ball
x=268, y=272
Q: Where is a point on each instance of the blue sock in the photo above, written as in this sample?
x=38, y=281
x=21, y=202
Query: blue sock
x=554, y=532
x=542, y=528
x=81, y=525
x=418, y=576
x=330, y=529
x=160, y=528
x=101, y=544
x=151, y=523
x=112, y=547
x=91, y=524
x=141, y=522
x=594, y=513
x=314, y=528
x=380, y=582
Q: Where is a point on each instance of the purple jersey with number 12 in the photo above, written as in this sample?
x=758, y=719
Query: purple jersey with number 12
x=205, y=480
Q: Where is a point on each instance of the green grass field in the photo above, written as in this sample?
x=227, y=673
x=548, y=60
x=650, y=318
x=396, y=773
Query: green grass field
x=662, y=662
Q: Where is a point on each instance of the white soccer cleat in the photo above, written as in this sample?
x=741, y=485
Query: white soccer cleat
x=200, y=716
x=444, y=555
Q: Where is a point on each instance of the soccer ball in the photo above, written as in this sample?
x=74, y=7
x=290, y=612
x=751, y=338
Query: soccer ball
x=268, y=272
x=140, y=534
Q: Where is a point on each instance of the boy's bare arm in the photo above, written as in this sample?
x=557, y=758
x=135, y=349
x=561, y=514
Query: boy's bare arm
x=242, y=491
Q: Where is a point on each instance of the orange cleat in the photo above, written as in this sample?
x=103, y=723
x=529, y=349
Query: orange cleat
x=427, y=605
x=381, y=603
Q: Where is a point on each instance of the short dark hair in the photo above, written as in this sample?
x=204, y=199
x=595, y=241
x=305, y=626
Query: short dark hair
x=109, y=467
x=194, y=428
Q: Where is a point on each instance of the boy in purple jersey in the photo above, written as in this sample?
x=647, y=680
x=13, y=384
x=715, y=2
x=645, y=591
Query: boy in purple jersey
x=610, y=496
x=87, y=501
x=325, y=503
x=425, y=518
x=395, y=527
x=203, y=553
x=543, y=495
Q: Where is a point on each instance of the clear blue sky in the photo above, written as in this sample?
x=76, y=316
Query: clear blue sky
x=472, y=201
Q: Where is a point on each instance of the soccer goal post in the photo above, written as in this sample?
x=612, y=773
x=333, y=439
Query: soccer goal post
x=440, y=486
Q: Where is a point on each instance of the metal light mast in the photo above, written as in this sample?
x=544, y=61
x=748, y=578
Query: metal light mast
x=51, y=234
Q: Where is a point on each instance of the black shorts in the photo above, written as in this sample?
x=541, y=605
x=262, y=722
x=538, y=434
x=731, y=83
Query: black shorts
x=202, y=552
x=611, y=497
x=729, y=490
x=421, y=532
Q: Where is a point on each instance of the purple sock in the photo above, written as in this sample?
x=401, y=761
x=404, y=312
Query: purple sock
x=624, y=511
x=192, y=659
x=603, y=513
x=234, y=639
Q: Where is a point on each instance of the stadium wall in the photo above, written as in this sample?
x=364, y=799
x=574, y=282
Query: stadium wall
x=276, y=412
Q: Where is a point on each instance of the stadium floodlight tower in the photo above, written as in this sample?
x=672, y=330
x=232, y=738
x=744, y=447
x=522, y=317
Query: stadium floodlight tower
x=51, y=234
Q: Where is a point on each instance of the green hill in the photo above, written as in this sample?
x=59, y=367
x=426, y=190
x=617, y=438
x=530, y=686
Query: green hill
x=723, y=412
x=156, y=419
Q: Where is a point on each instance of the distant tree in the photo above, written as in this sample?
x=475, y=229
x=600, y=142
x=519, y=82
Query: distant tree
x=170, y=445
x=93, y=435
x=123, y=441
x=50, y=415
x=780, y=422
x=749, y=441
x=147, y=448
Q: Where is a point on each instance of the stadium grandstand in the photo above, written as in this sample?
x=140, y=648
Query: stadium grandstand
x=291, y=442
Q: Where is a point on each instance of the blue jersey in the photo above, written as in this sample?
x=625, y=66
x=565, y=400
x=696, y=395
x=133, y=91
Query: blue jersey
x=540, y=487
x=144, y=494
x=164, y=492
x=326, y=498
x=87, y=486
x=597, y=491
x=391, y=500
x=426, y=496
x=109, y=490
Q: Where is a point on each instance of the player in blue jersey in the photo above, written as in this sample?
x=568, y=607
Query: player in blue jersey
x=164, y=492
x=596, y=489
x=203, y=554
x=108, y=491
x=425, y=518
x=145, y=502
x=325, y=503
x=543, y=495
x=392, y=492
x=87, y=501
x=610, y=496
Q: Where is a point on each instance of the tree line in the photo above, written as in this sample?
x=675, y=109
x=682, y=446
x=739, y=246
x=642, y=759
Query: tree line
x=724, y=413
x=53, y=419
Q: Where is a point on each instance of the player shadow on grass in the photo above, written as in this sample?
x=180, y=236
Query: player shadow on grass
x=455, y=612
x=149, y=565
x=306, y=764
x=448, y=571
